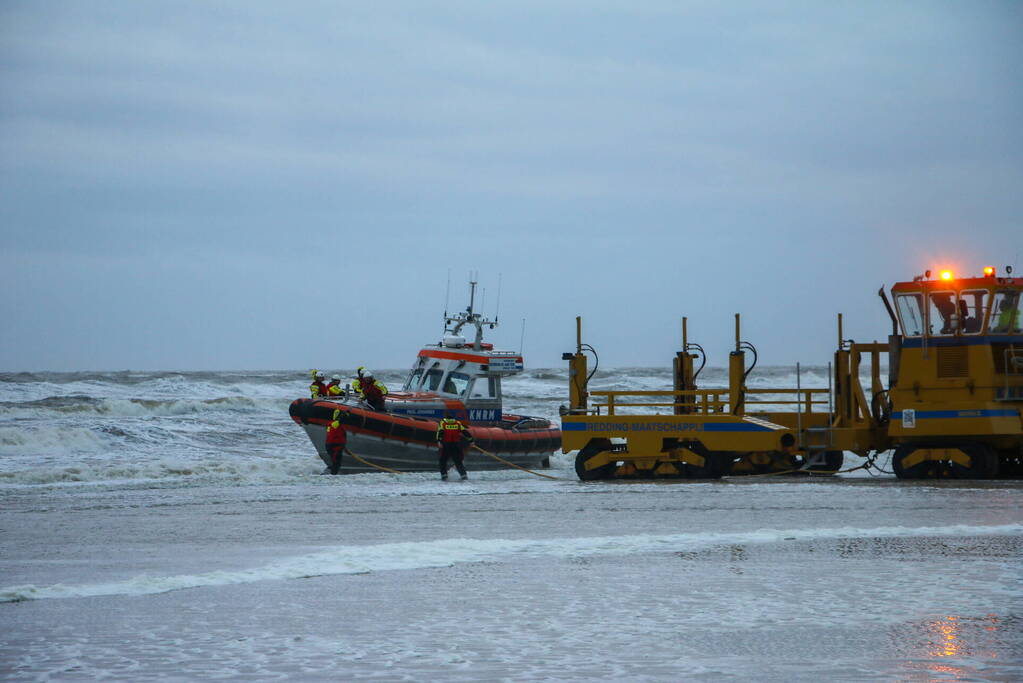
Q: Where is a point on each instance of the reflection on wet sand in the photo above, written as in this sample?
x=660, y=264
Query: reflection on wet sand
x=947, y=643
x=969, y=640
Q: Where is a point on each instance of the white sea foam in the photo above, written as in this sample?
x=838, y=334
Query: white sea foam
x=448, y=552
x=140, y=407
x=18, y=440
x=226, y=468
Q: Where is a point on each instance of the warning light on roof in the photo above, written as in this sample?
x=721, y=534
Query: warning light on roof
x=989, y=271
x=946, y=275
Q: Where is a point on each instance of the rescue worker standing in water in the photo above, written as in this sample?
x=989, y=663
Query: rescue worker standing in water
x=370, y=390
x=450, y=434
x=337, y=438
x=317, y=388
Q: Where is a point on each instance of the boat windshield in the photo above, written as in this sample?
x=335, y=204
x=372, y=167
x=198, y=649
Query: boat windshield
x=911, y=313
x=484, y=387
x=431, y=382
x=456, y=383
x=1005, y=312
x=413, y=379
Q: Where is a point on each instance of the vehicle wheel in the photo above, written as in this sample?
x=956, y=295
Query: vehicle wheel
x=587, y=452
x=715, y=466
x=917, y=471
x=832, y=462
x=1010, y=463
x=983, y=463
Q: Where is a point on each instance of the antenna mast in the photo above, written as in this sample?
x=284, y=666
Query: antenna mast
x=447, y=295
x=454, y=323
x=472, y=296
x=497, y=311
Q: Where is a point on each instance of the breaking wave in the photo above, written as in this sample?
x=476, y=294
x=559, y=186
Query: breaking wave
x=135, y=407
x=15, y=440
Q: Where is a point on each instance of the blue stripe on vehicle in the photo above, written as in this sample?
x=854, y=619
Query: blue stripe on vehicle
x=965, y=340
x=641, y=426
x=946, y=414
x=734, y=427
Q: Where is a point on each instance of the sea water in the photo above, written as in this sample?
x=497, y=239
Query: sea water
x=177, y=526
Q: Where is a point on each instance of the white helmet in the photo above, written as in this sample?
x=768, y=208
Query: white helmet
x=318, y=375
x=335, y=378
x=366, y=372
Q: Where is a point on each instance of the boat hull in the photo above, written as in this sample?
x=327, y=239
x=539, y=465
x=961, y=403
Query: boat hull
x=408, y=444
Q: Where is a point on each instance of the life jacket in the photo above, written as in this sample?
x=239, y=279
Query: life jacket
x=336, y=434
x=449, y=430
x=1006, y=320
x=373, y=390
x=334, y=390
x=318, y=388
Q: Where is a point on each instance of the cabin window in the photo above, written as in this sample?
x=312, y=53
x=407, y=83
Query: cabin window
x=972, y=307
x=1006, y=313
x=483, y=387
x=456, y=383
x=413, y=379
x=911, y=313
x=431, y=380
x=943, y=318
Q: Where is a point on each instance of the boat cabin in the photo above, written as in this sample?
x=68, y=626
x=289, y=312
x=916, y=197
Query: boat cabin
x=458, y=374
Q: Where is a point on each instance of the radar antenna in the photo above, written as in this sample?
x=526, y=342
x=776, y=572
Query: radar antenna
x=453, y=324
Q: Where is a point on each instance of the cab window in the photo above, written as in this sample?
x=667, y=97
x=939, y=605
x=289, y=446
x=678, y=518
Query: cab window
x=972, y=307
x=943, y=315
x=911, y=313
x=456, y=383
x=1005, y=312
x=483, y=387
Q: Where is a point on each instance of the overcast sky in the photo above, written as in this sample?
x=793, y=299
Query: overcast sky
x=266, y=185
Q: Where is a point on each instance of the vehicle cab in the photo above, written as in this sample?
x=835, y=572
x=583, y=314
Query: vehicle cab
x=960, y=351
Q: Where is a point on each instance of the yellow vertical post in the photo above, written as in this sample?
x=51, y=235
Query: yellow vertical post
x=682, y=367
x=577, y=394
x=736, y=369
x=875, y=371
x=843, y=383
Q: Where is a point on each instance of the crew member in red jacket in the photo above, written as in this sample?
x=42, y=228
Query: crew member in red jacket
x=371, y=390
x=337, y=437
x=450, y=434
x=317, y=388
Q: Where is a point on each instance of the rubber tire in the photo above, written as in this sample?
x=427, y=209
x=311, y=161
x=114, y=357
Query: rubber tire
x=588, y=451
x=983, y=463
x=832, y=462
x=1010, y=463
x=918, y=471
x=715, y=466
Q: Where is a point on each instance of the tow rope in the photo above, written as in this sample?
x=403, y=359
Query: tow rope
x=812, y=472
x=373, y=465
x=512, y=464
x=488, y=453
